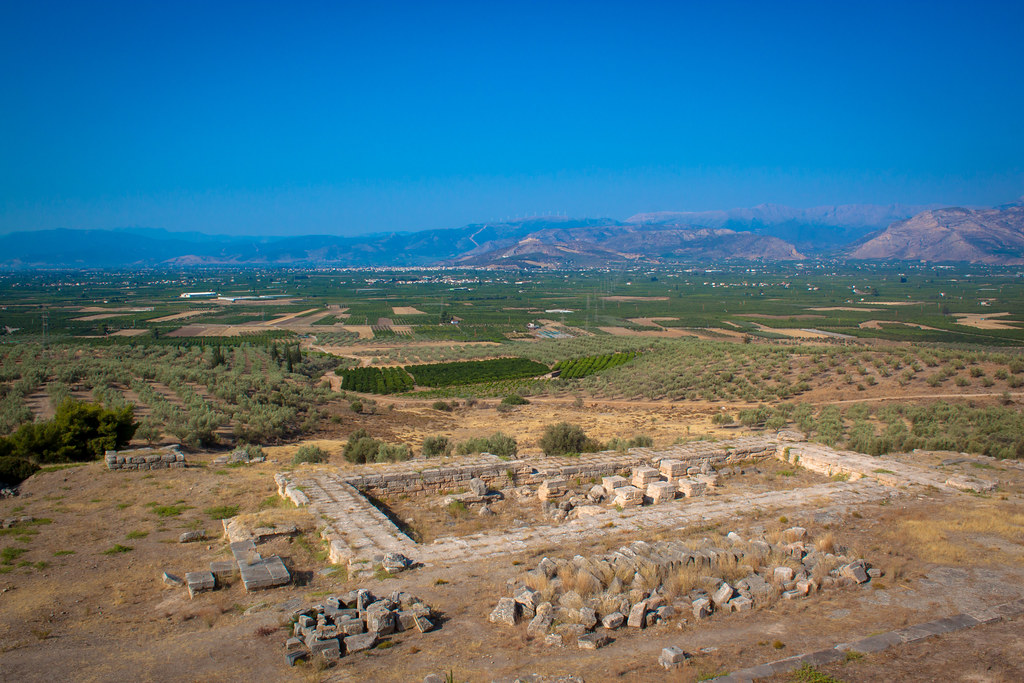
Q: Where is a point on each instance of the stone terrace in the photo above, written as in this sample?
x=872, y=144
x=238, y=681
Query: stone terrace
x=357, y=532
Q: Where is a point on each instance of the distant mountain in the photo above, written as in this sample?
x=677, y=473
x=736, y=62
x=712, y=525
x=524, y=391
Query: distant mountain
x=599, y=245
x=992, y=236
x=815, y=229
x=765, y=232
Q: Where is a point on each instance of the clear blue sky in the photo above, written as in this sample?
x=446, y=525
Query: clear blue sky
x=278, y=118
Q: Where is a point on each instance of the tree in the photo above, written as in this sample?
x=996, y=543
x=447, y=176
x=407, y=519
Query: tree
x=78, y=432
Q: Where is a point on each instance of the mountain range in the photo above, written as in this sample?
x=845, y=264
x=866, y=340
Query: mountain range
x=766, y=232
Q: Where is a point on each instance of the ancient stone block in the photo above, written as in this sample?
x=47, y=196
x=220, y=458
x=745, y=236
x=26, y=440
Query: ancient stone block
x=637, y=615
x=363, y=641
x=691, y=487
x=613, y=621
x=612, y=483
x=740, y=604
x=782, y=574
x=701, y=608
x=855, y=572
x=642, y=476
x=553, y=640
x=295, y=656
x=628, y=495
x=661, y=491
x=172, y=580
x=381, y=622
x=506, y=612
x=551, y=488
x=477, y=486
x=722, y=596
x=423, y=624
x=672, y=657
x=593, y=641
x=673, y=469
x=329, y=649
x=198, y=582
x=190, y=536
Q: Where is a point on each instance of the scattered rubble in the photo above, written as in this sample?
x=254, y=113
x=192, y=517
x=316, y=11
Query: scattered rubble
x=354, y=622
x=643, y=584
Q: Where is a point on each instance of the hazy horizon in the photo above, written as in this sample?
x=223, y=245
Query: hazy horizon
x=257, y=119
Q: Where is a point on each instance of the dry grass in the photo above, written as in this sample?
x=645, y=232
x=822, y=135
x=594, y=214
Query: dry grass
x=826, y=543
x=965, y=535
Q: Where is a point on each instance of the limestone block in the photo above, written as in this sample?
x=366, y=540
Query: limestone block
x=363, y=641
x=190, y=536
x=740, y=604
x=628, y=495
x=506, y=612
x=172, y=580
x=855, y=572
x=198, y=582
x=722, y=596
x=661, y=491
x=551, y=488
x=329, y=649
x=701, y=608
x=381, y=622
x=613, y=621
x=593, y=641
x=477, y=486
x=672, y=657
x=691, y=488
x=673, y=469
x=612, y=483
x=637, y=614
x=553, y=640
x=587, y=618
x=642, y=476
x=782, y=574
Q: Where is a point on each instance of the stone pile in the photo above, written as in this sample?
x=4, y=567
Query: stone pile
x=356, y=621
x=647, y=486
x=145, y=458
x=583, y=599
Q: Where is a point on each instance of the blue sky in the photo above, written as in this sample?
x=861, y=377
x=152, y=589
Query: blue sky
x=279, y=118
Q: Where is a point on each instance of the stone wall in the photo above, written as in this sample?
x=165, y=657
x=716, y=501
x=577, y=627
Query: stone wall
x=145, y=458
x=499, y=474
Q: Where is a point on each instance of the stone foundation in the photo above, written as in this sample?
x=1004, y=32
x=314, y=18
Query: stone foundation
x=145, y=458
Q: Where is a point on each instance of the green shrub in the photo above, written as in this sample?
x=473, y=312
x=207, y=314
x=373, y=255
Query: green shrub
x=563, y=438
x=78, y=432
x=310, y=453
x=514, y=400
x=13, y=470
x=499, y=444
x=442, y=406
x=434, y=446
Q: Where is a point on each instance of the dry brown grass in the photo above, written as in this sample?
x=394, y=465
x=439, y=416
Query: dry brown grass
x=826, y=543
x=965, y=535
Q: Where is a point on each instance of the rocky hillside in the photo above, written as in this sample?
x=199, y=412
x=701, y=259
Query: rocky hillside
x=991, y=236
x=581, y=247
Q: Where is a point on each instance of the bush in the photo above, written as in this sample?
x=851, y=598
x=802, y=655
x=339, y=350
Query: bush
x=563, y=438
x=78, y=432
x=514, y=400
x=13, y=470
x=356, y=406
x=442, y=406
x=499, y=444
x=722, y=419
x=361, y=447
x=434, y=446
x=310, y=453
